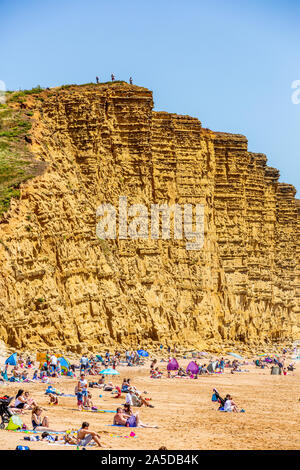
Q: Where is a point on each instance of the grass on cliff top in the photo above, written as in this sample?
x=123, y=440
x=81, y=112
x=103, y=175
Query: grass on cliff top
x=92, y=83
x=15, y=162
x=19, y=96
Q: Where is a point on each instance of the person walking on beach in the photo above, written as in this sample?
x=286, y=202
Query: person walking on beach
x=53, y=362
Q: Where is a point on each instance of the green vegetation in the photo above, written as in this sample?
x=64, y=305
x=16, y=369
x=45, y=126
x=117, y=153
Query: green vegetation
x=92, y=83
x=15, y=164
x=115, y=81
x=21, y=95
x=104, y=246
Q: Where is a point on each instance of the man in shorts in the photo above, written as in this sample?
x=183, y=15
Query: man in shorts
x=84, y=436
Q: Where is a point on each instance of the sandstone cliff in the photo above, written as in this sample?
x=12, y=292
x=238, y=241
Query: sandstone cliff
x=62, y=286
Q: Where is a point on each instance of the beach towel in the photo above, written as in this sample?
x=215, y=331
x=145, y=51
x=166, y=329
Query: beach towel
x=96, y=411
x=32, y=431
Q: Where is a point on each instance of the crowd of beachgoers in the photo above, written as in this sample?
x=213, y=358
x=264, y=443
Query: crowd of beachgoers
x=100, y=372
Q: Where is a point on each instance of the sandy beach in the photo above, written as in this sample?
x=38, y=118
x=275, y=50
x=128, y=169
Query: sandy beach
x=183, y=410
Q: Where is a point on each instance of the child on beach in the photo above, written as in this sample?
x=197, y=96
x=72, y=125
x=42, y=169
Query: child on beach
x=53, y=399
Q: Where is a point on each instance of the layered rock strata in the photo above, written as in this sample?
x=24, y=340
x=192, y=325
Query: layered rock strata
x=60, y=285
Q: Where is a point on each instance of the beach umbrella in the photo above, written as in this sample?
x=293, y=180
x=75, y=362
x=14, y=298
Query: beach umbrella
x=142, y=353
x=12, y=360
x=235, y=355
x=109, y=371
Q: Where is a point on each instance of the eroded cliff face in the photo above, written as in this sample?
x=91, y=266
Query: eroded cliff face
x=62, y=286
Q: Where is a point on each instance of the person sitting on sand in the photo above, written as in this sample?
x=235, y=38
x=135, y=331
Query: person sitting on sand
x=101, y=381
x=84, y=436
x=181, y=372
x=21, y=401
x=118, y=392
x=93, y=370
x=15, y=373
x=230, y=405
x=155, y=374
x=29, y=401
x=129, y=420
x=39, y=424
x=99, y=384
x=134, y=398
x=29, y=362
x=53, y=399
x=125, y=385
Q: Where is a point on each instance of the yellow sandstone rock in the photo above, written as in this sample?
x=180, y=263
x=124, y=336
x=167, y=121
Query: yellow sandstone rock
x=62, y=286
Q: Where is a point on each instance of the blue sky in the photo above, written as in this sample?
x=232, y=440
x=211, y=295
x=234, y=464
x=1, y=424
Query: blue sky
x=230, y=63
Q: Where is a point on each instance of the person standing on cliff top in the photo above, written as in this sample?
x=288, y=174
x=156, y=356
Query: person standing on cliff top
x=97, y=79
x=130, y=80
x=112, y=77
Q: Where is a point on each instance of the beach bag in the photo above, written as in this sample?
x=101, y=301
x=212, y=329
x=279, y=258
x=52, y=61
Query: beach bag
x=214, y=397
x=22, y=448
x=14, y=423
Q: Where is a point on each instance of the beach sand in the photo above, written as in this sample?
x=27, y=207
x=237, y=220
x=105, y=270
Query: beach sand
x=183, y=410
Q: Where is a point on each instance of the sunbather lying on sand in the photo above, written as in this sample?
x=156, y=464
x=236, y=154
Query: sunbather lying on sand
x=99, y=384
x=129, y=419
